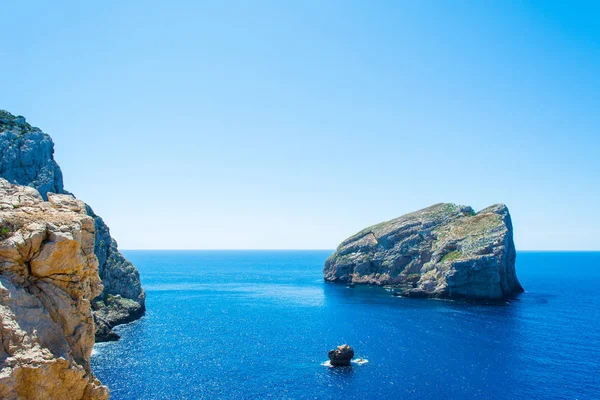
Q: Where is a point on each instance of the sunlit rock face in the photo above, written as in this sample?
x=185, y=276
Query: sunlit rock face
x=48, y=276
x=27, y=158
x=445, y=250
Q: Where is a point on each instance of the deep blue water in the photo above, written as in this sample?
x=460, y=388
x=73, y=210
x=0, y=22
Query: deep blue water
x=258, y=324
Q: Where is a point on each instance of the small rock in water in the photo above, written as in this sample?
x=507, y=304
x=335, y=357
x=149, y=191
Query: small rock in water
x=341, y=356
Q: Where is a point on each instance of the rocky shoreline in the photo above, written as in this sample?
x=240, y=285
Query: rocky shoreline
x=64, y=283
x=27, y=158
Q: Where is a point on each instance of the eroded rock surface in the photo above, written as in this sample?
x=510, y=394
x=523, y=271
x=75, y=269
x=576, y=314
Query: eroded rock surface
x=341, y=356
x=27, y=158
x=445, y=250
x=48, y=277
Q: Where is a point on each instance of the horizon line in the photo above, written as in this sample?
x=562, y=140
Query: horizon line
x=266, y=249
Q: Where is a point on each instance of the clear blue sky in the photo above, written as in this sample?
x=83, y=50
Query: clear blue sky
x=294, y=124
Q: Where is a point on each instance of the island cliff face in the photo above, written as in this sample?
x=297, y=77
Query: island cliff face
x=27, y=158
x=48, y=276
x=446, y=251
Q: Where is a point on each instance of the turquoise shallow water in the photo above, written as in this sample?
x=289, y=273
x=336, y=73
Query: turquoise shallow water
x=258, y=324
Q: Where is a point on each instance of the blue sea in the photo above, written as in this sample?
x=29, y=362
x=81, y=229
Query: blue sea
x=259, y=324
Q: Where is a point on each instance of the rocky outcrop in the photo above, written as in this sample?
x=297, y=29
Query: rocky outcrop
x=341, y=356
x=445, y=250
x=27, y=158
x=48, y=276
x=123, y=299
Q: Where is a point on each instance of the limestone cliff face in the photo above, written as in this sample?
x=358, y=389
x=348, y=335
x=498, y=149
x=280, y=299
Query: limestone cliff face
x=441, y=251
x=48, y=277
x=27, y=158
x=123, y=299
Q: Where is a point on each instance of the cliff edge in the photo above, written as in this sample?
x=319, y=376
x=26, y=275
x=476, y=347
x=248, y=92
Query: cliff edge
x=27, y=158
x=445, y=250
x=48, y=276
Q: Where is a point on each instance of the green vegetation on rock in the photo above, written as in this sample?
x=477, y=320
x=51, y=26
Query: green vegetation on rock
x=453, y=255
x=9, y=121
x=429, y=241
x=4, y=232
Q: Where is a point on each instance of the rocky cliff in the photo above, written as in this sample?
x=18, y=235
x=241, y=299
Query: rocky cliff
x=445, y=250
x=27, y=158
x=48, y=276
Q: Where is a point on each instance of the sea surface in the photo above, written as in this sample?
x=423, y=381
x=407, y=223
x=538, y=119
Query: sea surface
x=259, y=324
